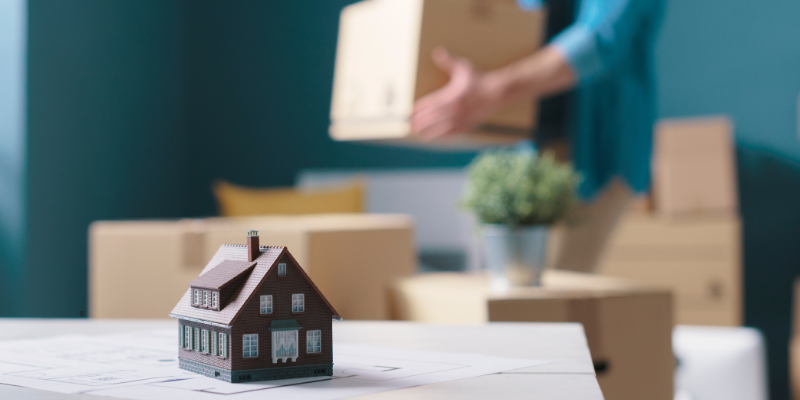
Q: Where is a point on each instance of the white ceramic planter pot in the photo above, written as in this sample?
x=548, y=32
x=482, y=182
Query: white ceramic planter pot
x=515, y=256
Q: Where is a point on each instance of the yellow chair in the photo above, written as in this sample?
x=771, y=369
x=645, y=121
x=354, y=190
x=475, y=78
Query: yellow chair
x=237, y=201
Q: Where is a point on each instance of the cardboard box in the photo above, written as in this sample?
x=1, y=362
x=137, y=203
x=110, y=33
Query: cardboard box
x=698, y=257
x=352, y=258
x=628, y=326
x=384, y=64
x=694, y=166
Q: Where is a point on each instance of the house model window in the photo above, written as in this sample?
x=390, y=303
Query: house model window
x=266, y=304
x=185, y=335
x=250, y=345
x=314, y=341
x=298, y=303
x=284, y=346
x=285, y=343
x=281, y=269
x=223, y=345
x=204, y=344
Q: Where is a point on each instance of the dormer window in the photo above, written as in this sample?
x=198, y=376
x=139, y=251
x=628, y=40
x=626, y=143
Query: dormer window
x=214, y=289
x=281, y=269
x=205, y=298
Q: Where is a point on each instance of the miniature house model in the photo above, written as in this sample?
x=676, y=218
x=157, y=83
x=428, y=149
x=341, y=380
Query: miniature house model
x=253, y=314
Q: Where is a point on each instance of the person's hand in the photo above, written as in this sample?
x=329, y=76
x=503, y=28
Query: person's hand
x=462, y=104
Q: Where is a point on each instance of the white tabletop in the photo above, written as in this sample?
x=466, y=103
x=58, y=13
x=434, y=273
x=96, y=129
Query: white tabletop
x=570, y=375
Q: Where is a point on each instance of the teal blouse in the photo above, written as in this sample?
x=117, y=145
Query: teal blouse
x=613, y=109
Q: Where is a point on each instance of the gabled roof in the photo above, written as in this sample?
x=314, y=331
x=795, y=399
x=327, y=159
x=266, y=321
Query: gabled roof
x=223, y=274
x=264, y=264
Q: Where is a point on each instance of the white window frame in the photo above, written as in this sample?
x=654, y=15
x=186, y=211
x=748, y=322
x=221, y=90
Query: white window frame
x=196, y=339
x=188, y=340
x=214, y=299
x=250, y=345
x=314, y=341
x=266, y=304
x=281, y=269
x=205, y=298
x=196, y=297
x=214, y=343
x=204, y=344
x=223, y=345
x=298, y=302
x=180, y=335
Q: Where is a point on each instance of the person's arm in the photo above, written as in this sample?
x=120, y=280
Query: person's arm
x=471, y=96
x=602, y=35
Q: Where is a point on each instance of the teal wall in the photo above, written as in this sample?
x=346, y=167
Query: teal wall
x=12, y=149
x=106, y=135
x=742, y=58
x=136, y=106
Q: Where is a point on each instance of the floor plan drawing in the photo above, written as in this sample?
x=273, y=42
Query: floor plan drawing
x=7, y=367
x=143, y=366
x=369, y=368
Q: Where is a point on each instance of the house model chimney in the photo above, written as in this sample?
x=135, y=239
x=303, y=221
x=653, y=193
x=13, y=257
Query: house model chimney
x=253, y=250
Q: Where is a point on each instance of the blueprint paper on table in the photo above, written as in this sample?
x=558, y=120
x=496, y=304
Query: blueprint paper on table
x=144, y=366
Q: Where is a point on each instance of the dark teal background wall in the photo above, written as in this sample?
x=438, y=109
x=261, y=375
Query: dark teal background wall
x=106, y=134
x=136, y=106
x=742, y=58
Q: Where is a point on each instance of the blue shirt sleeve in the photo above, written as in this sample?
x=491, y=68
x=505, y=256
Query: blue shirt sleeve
x=602, y=34
x=529, y=5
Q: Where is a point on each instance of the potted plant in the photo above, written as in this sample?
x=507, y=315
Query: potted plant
x=517, y=196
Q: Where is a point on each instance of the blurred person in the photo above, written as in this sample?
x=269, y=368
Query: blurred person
x=595, y=79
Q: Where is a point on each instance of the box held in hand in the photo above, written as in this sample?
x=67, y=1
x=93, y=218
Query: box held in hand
x=384, y=64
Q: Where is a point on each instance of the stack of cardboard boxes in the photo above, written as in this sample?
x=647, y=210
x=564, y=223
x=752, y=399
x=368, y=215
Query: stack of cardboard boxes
x=353, y=258
x=691, y=240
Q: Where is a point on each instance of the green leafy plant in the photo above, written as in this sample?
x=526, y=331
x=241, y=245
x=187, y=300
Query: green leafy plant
x=519, y=188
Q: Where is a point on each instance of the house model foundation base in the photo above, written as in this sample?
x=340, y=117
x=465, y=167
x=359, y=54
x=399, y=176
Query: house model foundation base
x=253, y=314
x=260, y=374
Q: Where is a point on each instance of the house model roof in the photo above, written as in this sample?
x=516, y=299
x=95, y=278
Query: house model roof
x=223, y=268
x=223, y=274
